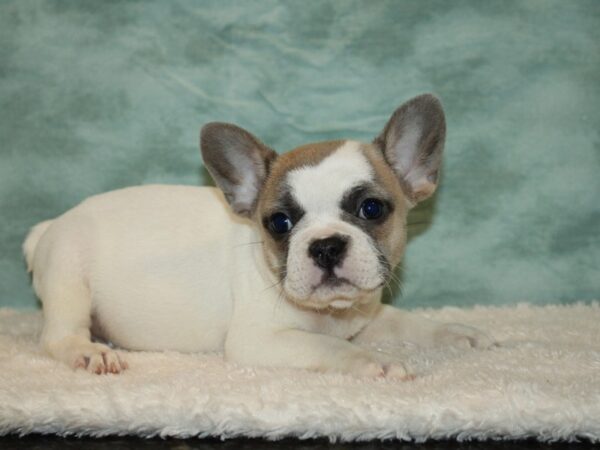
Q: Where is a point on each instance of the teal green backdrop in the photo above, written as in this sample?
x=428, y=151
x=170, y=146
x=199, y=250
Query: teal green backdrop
x=97, y=95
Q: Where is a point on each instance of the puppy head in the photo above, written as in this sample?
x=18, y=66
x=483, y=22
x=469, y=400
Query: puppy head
x=332, y=214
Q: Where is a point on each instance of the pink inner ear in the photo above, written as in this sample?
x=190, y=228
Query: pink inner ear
x=407, y=165
x=405, y=149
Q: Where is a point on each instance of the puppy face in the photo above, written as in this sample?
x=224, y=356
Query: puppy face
x=332, y=214
x=333, y=219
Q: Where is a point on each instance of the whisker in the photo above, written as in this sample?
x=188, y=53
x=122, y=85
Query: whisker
x=248, y=243
x=271, y=286
x=279, y=300
x=393, y=277
x=389, y=289
x=392, y=283
x=357, y=309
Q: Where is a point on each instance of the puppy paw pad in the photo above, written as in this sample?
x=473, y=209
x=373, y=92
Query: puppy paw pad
x=463, y=335
x=398, y=372
x=100, y=361
x=373, y=370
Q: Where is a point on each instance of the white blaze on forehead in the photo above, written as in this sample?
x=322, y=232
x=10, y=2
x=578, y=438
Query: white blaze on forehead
x=320, y=188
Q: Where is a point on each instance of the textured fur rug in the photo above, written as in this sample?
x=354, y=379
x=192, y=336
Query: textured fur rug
x=542, y=381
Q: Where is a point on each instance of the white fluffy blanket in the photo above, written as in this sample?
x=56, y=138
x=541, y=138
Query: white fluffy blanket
x=543, y=381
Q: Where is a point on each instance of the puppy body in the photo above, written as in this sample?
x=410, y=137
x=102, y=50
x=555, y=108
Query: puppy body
x=165, y=268
x=285, y=269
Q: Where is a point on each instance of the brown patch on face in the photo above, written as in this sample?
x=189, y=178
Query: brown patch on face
x=391, y=234
x=304, y=156
x=275, y=191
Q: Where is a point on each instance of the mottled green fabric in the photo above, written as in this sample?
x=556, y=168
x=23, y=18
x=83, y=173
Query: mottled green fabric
x=97, y=95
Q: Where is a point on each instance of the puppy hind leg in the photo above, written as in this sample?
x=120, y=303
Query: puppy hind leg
x=66, y=333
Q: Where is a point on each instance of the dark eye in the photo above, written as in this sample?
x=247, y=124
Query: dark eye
x=280, y=223
x=371, y=209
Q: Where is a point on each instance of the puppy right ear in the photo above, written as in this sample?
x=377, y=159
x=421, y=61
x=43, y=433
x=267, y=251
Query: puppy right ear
x=412, y=143
x=237, y=161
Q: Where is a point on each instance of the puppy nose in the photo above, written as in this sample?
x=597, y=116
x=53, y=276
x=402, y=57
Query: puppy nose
x=328, y=252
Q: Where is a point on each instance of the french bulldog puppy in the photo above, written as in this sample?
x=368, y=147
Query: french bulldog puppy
x=283, y=266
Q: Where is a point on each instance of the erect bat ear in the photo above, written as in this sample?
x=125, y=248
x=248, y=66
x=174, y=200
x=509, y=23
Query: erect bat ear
x=412, y=143
x=238, y=162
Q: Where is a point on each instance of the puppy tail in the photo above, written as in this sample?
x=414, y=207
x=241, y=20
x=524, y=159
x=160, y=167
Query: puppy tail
x=31, y=242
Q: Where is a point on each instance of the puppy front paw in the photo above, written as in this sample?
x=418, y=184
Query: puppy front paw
x=99, y=359
x=366, y=365
x=398, y=372
x=363, y=365
x=462, y=335
x=79, y=353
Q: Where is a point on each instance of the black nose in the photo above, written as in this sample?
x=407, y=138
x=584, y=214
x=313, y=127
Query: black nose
x=328, y=252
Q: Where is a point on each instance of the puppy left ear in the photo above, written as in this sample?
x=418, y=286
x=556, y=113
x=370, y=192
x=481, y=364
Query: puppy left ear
x=237, y=161
x=412, y=143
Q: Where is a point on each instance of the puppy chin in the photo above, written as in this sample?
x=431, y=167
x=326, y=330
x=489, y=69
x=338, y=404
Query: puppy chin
x=339, y=295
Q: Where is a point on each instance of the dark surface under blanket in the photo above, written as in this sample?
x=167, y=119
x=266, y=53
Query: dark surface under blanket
x=33, y=442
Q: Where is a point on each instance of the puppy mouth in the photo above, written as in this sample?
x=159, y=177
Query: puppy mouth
x=333, y=291
x=344, y=293
x=331, y=280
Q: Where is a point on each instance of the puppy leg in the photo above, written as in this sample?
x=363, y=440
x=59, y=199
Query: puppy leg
x=394, y=325
x=305, y=350
x=67, y=318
